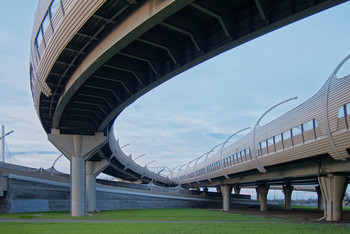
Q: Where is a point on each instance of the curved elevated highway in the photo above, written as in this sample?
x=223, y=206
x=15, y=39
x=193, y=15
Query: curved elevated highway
x=307, y=145
x=91, y=59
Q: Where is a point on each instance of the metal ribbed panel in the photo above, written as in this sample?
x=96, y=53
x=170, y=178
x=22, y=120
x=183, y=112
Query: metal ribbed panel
x=305, y=145
x=76, y=13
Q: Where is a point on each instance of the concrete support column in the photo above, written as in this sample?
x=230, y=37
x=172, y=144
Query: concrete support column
x=257, y=193
x=205, y=189
x=226, y=192
x=288, y=190
x=333, y=188
x=78, y=149
x=263, y=191
x=320, y=203
x=90, y=187
x=77, y=178
x=237, y=190
x=92, y=171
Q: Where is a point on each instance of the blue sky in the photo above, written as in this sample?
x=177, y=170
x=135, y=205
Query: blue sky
x=194, y=111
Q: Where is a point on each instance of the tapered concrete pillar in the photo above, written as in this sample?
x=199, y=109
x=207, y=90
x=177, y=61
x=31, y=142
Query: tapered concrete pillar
x=77, y=178
x=205, y=189
x=333, y=188
x=320, y=202
x=78, y=149
x=93, y=169
x=237, y=190
x=263, y=191
x=226, y=192
x=288, y=190
x=257, y=193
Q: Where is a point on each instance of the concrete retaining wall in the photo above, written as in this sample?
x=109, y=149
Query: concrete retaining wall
x=26, y=194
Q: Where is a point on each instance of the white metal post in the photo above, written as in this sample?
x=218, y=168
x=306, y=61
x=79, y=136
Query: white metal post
x=3, y=143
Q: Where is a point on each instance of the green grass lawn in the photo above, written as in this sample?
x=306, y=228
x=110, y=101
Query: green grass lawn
x=143, y=214
x=169, y=228
x=160, y=221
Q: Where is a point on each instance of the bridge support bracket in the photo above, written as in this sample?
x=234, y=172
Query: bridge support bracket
x=78, y=149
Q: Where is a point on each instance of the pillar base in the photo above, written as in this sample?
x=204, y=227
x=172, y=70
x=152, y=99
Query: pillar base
x=237, y=190
x=77, y=186
x=288, y=190
x=92, y=171
x=263, y=191
x=226, y=192
x=320, y=203
x=78, y=149
x=333, y=188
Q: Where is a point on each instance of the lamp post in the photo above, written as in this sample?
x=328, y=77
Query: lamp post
x=206, y=157
x=124, y=146
x=154, y=178
x=168, y=169
x=195, y=164
x=188, y=166
x=139, y=156
x=2, y=138
x=185, y=176
x=180, y=180
x=149, y=163
x=53, y=164
x=223, y=145
x=178, y=172
x=171, y=171
x=181, y=167
x=259, y=167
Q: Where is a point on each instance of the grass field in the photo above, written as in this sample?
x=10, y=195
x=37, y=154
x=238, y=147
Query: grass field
x=159, y=221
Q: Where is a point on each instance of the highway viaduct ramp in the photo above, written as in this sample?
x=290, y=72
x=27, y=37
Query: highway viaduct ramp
x=89, y=61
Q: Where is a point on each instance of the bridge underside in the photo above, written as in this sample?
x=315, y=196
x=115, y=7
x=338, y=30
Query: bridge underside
x=99, y=73
x=297, y=172
x=183, y=35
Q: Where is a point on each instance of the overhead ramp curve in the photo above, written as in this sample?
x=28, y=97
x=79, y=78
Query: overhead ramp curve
x=91, y=59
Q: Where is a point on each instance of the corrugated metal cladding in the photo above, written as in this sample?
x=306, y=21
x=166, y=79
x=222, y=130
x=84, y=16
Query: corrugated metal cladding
x=307, y=137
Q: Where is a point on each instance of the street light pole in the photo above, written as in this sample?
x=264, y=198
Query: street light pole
x=2, y=138
x=124, y=146
x=139, y=156
x=3, y=144
x=223, y=145
x=149, y=163
x=206, y=157
x=259, y=167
